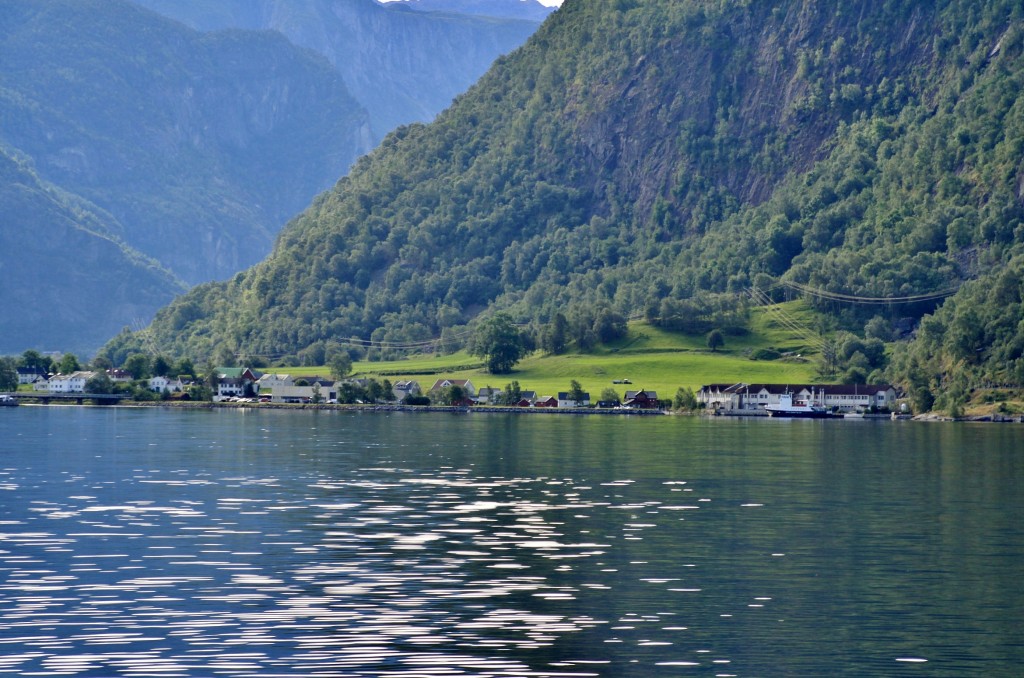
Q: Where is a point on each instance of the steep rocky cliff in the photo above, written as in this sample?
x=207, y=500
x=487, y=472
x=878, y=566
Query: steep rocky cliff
x=403, y=66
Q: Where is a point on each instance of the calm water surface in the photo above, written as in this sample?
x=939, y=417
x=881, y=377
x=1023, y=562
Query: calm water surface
x=236, y=543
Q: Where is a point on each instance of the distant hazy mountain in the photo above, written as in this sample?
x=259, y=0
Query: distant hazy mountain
x=199, y=146
x=530, y=10
x=67, y=281
x=403, y=66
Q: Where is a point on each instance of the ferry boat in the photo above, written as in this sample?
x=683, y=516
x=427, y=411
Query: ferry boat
x=788, y=407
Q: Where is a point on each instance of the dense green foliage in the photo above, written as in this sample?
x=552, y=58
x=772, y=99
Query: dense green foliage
x=651, y=158
x=498, y=342
x=8, y=374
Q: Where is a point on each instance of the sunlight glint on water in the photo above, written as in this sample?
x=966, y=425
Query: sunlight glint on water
x=409, y=545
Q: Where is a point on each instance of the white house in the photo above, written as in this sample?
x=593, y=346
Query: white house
x=69, y=383
x=30, y=375
x=161, y=384
x=404, y=388
x=855, y=397
x=487, y=396
x=466, y=385
x=234, y=382
x=268, y=382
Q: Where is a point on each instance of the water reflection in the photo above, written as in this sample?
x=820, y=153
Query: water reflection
x=299, y=544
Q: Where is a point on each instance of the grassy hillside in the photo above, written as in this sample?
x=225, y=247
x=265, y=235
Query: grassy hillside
x=651, y=358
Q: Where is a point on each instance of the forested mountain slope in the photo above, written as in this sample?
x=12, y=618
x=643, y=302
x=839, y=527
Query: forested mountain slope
x=638, y=152
x=67, y=282
x=402, y=65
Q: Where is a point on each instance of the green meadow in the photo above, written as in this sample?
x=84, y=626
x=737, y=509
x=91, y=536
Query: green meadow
x=649, y=357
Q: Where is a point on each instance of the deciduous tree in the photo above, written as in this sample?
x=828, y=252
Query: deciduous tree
x=498, y=342
x=8, y=374
x=69, y=363
x=341, y=365
x=576, y=393
x=715, y=340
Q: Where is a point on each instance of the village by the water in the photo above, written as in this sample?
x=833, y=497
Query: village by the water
x=244, y=386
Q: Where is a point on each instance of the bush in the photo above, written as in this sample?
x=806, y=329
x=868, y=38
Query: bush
x=765, y=354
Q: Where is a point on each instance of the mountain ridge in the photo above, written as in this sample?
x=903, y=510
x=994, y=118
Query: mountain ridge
x=856, y=150
x=196, y=147
x=402, y=65
x=55, y=233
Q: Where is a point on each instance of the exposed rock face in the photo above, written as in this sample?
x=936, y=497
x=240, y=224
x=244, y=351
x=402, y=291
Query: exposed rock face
x=404, y=66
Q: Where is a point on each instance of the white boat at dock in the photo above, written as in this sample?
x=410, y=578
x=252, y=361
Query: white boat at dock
x=797, y=408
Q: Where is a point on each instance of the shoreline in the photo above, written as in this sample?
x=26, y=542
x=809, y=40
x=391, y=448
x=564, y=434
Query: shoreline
x=491, y=409
x=485, y=409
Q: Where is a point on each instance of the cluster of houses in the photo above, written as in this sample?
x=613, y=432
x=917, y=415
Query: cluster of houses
x=76, y=381
x=234, y=383
x=742, y=397
x=492, y=396
x=284, y=389
x=243, y=383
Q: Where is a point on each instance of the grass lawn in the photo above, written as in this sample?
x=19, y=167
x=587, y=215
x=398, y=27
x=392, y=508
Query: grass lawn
x=651, y=358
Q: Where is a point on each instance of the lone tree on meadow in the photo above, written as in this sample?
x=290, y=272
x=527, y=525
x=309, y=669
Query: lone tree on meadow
x=497, y=341
x=341, y=365
x=715, y=340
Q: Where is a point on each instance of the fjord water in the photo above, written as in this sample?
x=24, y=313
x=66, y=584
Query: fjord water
x=144, y=542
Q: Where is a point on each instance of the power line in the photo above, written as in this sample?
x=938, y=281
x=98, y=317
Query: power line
x=368, y=343
x=761, y=297
x=855, y=299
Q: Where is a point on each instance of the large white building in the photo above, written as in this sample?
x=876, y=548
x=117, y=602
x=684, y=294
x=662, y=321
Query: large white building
x=69, y=383
x=841, y=397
